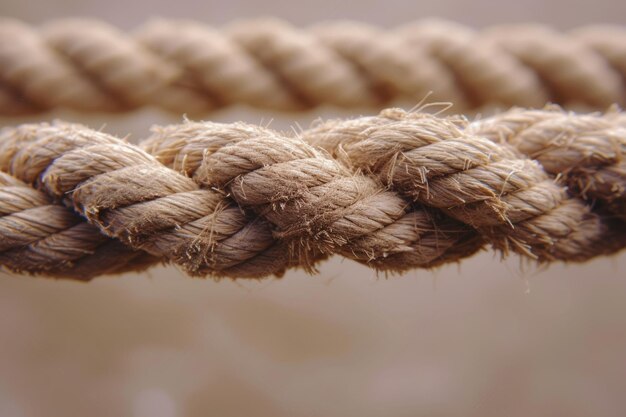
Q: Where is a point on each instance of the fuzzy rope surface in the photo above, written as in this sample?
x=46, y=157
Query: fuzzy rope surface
x=396, y=191
x=188, y=67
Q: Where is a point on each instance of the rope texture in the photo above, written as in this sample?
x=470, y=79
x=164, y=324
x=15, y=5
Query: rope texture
x=396, y=191
x=187, y=67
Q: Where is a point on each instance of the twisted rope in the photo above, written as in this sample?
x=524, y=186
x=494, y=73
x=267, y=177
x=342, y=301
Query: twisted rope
x=192, y=68
x=396, y=191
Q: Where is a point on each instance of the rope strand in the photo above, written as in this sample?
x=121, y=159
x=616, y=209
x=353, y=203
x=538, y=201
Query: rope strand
x=396, y=191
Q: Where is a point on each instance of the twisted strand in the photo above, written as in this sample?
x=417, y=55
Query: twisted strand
x=586, y=152
x=188, y=67
x=396, y=191
x=45, y=238
x=482, y=183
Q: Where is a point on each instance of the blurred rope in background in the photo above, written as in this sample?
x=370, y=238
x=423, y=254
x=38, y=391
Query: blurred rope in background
x=192, y=68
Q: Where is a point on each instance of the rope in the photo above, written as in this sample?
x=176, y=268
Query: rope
x=186, y=67
x=395, y=192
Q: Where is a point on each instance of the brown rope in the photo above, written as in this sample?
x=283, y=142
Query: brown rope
x=192, y=68
x=396, y=191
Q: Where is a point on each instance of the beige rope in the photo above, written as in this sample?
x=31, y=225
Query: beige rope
x=396, y=191
x=193, y=68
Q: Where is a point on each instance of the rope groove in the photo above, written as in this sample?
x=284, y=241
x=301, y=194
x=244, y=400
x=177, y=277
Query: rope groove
x=187, y=67
x=395, y=191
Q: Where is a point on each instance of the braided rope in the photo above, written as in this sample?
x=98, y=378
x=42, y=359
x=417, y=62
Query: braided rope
x=396, y=191
x=193, y=68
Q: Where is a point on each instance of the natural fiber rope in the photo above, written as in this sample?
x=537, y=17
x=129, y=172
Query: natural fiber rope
x=191, y=68
x=395, y=192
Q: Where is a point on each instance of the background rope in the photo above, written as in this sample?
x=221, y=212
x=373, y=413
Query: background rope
x=395, y=191
x=186, y=67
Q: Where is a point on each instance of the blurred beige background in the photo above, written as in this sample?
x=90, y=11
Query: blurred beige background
x=486, y=338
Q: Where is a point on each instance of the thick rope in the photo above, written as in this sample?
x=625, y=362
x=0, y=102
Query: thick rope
x=191, y=68
x=397, y=191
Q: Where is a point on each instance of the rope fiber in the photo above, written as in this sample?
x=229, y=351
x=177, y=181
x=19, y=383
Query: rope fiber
x=188, y=67
x=396, y=191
